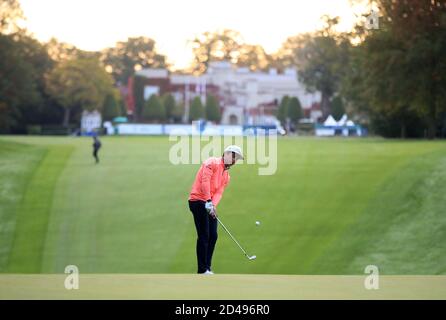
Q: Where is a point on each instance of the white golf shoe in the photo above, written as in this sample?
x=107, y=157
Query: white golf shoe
x=208, y=272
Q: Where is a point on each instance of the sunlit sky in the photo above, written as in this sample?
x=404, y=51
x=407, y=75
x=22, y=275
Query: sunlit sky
x=97, y=24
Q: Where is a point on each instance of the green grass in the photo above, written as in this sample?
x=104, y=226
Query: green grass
x=33, y=212
x=219, y=286
x=333, y=207
x=17, y=164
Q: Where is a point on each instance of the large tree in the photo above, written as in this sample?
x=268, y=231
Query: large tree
x=126, y=57
x=253, y=57
x=398, y=72
x=227, y=45
x=420, y=28
x=10, y=16
x=294, y=110
x=321, y=59
x=215, y=46
x=178, y=113
x=23, y=64
x=212, y=109
x=337, y=108
x=81, y=83
x=169, y=105
x=154, y=110
x=196, y=109
x=17, y=83
x=60, y=51
x=282, y=112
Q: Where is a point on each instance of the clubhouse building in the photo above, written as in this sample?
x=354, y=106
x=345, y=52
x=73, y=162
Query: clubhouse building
x=245, y=97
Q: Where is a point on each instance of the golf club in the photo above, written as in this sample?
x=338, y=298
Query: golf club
x=247, y=255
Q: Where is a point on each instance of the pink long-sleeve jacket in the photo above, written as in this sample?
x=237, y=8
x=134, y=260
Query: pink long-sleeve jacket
x=210, y=181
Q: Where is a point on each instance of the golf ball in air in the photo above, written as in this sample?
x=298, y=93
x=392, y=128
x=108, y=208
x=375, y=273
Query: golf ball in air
x=257, y=223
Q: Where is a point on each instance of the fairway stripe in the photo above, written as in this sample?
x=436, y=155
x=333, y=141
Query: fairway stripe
x=33, y=212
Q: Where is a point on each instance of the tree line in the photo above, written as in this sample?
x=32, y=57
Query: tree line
x=391, y=79
x=166, y=109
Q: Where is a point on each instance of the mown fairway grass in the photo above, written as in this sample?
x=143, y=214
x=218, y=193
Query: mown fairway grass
x=333, y=207
x=219, y=286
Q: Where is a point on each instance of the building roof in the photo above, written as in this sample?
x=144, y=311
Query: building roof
x=153, y=73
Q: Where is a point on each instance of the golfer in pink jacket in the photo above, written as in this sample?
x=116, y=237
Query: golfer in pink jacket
x=206, y=193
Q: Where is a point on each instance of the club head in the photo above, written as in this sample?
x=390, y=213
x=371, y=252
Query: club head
x=252, y=257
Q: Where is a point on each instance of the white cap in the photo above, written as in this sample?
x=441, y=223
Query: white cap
x=236, y=150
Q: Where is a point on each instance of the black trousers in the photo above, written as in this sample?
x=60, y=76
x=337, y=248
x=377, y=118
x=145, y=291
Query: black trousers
x=207, y=234
x=95, y=154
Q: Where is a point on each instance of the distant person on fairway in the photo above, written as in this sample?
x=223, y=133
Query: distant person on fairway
x=207, y=190
x=96, y=147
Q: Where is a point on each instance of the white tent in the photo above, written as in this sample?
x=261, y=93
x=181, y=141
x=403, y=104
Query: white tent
x=330, y=121
x=342, y=121
x=350, y=123
x=344, y=127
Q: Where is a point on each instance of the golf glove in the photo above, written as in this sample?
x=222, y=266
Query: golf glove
x=209, y=207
